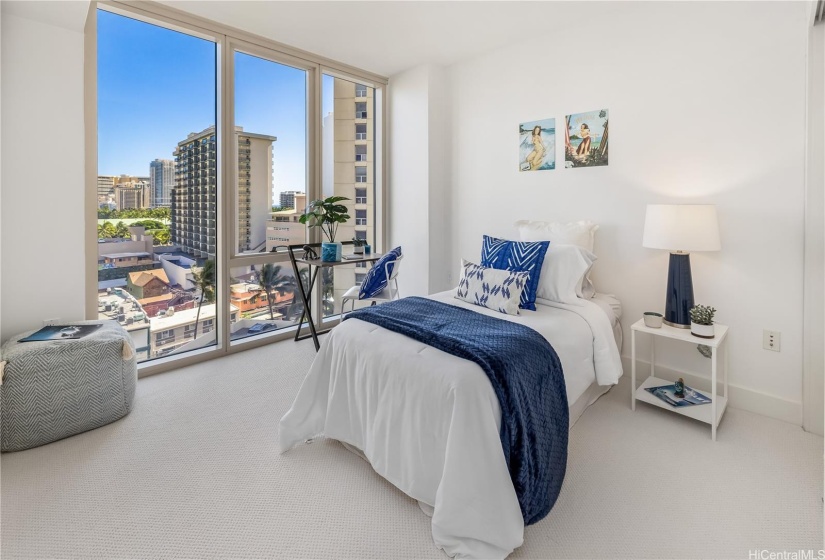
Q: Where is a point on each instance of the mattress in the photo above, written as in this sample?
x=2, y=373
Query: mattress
x=429, y=422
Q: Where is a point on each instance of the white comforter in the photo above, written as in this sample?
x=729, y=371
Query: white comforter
x=429, y=422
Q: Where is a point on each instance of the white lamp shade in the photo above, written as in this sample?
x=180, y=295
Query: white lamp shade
x=681, y=227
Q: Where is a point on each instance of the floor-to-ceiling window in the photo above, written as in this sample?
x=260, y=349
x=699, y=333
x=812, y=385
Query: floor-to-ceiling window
x=349, y=170
x=210, y=147
x=157, y=254
x=270, y=178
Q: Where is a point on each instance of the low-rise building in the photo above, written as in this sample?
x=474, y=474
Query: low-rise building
x=148, y=283
x=178, y=269
x=252, y=300
x=154, y=305
x=118, y=253
x=122, y=260
x=285, y=228
x=174, y=328
x=119, y=305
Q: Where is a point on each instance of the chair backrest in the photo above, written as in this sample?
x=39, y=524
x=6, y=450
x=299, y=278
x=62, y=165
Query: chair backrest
x=395, y=266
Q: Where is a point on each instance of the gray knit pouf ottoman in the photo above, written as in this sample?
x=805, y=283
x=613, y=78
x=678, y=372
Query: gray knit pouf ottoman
x=56, y=389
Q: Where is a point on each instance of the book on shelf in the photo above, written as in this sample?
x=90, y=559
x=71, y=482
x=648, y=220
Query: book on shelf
x=667, y=393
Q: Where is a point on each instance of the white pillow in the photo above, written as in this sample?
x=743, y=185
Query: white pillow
x=580, y=233
x=499, y=290
x=563, y=272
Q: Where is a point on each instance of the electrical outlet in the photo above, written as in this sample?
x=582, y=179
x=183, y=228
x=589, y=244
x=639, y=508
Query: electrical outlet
x=53, y=321
x=772, y=340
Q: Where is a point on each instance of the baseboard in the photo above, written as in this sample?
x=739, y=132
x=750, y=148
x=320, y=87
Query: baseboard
x=739, y=397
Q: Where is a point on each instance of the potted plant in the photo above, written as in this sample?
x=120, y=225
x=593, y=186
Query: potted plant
x=701, y=321
x=327, y=214
x=358, y=245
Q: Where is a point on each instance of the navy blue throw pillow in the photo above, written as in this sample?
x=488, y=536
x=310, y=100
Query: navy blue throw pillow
x=376, y=278
x=519, y=256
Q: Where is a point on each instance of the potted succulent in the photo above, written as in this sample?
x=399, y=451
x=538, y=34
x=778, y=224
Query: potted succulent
x=701, y=321
x=327, y=214
x=358, y=245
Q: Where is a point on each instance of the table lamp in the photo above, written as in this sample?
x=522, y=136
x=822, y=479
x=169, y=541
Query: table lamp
x=680, y=229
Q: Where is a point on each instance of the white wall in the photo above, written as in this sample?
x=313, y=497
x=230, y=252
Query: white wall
x=42, y=179
x=707, y=105
x=814, y=355
x=419, y=149
x=409, y=177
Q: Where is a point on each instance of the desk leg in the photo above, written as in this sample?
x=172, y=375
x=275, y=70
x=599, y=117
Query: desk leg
x=652, y=356
x=307, y=308
x=632, y=370
x=713, y=393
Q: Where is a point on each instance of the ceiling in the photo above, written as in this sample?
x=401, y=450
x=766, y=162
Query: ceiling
x=70, y=14
x=387, y=37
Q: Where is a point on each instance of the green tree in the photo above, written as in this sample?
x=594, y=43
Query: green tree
x=161, y=236
x=149, y=224
x=271, y=280
x=122, y=231
x=106, y=231
x=204, y=278
x=105, y=213
x=163, y=214
x=296, y=308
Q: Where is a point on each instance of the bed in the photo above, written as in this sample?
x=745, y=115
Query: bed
x=428, y=421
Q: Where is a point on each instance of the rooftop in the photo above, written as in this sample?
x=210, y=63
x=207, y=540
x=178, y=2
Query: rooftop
x=185, y=317
x=143, y=277
x=123, y=308
x=156, y=299
x=126, y=255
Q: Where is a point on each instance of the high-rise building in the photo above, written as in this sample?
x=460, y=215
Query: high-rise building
x=284, y=227
x=194, y=196
x=161, y=182
x=348, y=135
x=194, y=202
x=253, y=198
x=288, y=199
x=131, y=192
x=105, y=190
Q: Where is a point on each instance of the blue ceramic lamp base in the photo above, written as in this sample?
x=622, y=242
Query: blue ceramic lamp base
x=679, y=291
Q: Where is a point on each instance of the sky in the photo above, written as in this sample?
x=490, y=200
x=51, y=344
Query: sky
x=155, y=86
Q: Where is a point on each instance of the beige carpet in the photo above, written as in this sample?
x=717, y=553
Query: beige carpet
x=194, y=472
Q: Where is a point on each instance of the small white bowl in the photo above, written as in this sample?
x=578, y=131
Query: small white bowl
x=653, y=319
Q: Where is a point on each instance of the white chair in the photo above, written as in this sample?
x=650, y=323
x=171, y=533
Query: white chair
x=387, y=294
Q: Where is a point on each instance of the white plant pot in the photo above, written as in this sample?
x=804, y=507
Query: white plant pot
x=702, y=331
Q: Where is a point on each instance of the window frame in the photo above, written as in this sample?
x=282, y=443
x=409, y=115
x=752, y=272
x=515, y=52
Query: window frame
x=226, y=39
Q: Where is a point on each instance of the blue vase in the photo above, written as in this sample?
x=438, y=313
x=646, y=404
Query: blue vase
x=331, y=252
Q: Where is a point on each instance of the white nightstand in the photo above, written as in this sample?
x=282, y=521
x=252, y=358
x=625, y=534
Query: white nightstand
x=708, y=413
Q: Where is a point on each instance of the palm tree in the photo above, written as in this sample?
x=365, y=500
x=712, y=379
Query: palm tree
x=271, y=280
x=122, y=230
x=296, y=308
x=204, y=278
x=106, y=231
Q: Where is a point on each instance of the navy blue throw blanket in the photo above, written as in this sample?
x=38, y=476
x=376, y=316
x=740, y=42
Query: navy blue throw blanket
x=526, y=375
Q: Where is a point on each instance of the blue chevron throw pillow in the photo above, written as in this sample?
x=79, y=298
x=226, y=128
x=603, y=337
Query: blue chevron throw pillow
x=519, y=256
x=499, y=290
x=376, y=278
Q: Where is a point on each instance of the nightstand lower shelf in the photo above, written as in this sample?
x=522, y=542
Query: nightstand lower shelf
x=701, y=412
